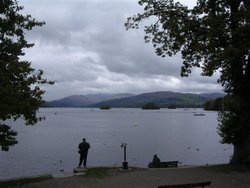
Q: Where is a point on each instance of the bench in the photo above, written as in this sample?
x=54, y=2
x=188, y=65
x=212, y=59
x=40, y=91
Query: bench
x=188, y=185
x=167, y=164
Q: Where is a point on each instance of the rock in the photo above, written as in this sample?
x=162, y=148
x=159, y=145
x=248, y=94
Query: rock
x=80, y=174
x=79, y=169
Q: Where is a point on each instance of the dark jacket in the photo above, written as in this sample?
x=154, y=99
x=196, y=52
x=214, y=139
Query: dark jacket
x=83, y=147
x=156, y=160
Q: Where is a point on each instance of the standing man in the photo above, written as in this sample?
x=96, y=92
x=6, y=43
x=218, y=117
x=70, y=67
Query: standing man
x=83, y=151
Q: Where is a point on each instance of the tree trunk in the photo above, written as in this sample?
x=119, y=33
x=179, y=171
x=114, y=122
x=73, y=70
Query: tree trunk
x=241, y=155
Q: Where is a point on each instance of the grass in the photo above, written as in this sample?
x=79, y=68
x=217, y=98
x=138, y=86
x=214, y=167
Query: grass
x=226, y=168
x=21, y=181
x=99, y=173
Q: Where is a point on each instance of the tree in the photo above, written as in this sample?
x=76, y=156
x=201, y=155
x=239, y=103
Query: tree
x=215, y=36
x=20, y=94
x=220, y=104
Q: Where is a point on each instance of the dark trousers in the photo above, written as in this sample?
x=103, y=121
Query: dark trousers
x=83, y=158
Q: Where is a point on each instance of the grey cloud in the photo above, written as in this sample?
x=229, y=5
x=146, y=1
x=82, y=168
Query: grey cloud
x=85, y=47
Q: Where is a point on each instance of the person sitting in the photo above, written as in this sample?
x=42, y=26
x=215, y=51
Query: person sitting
x=156, y=160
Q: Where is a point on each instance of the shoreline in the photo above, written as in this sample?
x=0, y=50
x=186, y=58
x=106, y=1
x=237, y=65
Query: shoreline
x=69, y=174
x=220, y=176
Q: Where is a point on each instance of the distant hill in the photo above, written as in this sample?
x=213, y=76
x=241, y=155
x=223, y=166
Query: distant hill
x=71, y=101
x=163, y=99
x=84, y=100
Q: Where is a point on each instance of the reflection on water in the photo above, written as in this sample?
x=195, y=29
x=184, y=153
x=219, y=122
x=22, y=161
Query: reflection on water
x=51, y=146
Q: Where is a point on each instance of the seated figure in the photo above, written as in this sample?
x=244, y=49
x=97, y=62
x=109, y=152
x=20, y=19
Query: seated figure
x=156, y=161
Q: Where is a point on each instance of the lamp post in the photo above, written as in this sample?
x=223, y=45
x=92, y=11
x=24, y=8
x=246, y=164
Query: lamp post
x=124, y=163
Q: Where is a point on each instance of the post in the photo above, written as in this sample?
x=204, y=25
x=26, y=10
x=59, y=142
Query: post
x=124, y=163
x=125, y=153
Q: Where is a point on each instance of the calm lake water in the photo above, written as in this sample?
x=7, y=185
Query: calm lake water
x=51, y=146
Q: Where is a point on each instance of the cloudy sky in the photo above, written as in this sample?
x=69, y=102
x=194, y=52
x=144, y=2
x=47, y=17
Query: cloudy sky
x=86, y=49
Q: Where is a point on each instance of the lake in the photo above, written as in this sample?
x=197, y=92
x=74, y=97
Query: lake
x=172, y=134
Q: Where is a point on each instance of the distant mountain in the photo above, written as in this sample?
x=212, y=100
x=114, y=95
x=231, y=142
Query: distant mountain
x=84, y=100
x=71, y=101
x=211, y=95
x=163, y=99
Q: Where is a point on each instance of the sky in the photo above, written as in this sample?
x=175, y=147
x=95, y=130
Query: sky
x=86, y=49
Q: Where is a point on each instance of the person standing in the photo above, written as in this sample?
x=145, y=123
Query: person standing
x=83, y=151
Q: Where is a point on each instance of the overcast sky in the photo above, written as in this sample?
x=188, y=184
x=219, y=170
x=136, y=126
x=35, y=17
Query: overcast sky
x=86, y=49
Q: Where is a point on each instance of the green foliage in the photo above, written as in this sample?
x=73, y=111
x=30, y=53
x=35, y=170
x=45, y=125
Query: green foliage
x=7, y=137
x=215, y=36
x=20, y=94
x=219, y=104
x=227, y=128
